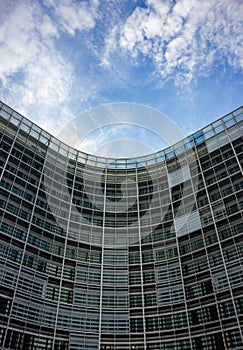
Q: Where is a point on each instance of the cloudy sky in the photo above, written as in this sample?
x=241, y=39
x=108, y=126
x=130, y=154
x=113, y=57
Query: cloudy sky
x=59, y=58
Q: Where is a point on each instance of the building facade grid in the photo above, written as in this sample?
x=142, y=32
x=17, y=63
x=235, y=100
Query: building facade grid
x=121, y=254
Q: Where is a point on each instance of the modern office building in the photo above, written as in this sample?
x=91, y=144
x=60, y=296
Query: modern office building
x=121, y=254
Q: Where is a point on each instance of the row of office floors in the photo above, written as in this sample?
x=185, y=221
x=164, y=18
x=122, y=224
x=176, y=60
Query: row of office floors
x=142, y=254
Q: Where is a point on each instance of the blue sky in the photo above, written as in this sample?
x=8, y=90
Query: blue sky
x=59, y=58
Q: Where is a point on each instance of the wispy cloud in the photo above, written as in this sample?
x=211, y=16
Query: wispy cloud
x=184, y=40
x=35, y=76
x=74, y=16
x=120, y=140
x=61, y=57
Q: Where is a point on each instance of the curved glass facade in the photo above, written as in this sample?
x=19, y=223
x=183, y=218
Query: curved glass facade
x=121, y=254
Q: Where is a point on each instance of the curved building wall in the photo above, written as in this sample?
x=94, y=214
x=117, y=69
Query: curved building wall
x=141, y=253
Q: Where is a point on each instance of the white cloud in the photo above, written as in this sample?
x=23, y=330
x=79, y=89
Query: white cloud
x=184, y=40
x=35, y=77
x=121, y=140
x=110, y=46
x=49, y=80
x=47, y=28
x=18, y=40
x=74, y=16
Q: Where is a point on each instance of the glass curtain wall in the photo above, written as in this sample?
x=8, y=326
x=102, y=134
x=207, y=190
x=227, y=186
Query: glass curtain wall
x=121, y=254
